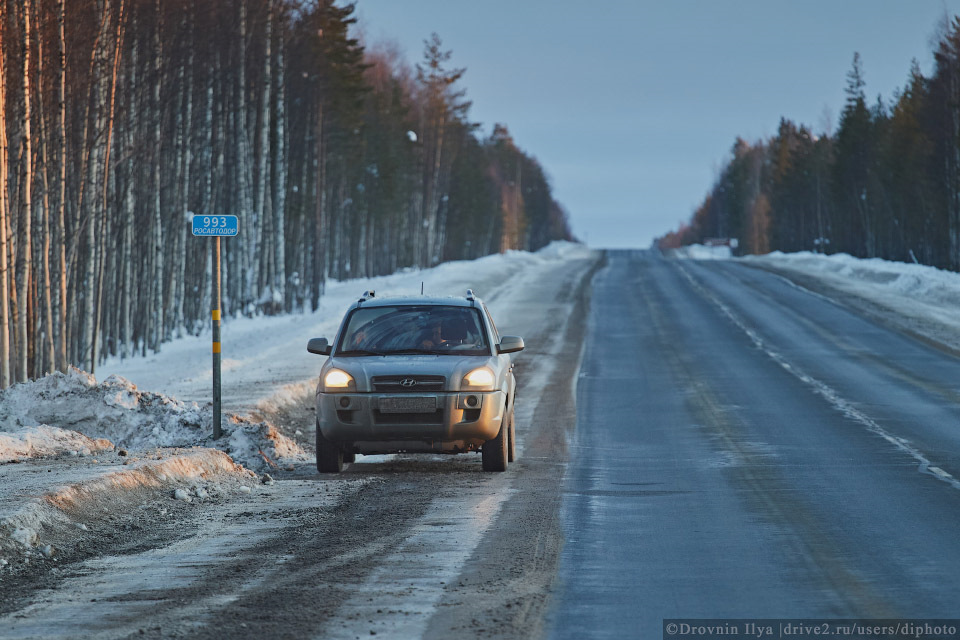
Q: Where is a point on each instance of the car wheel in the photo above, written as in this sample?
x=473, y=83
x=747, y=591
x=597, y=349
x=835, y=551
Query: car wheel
x=329, y=455
x=511, y=441
x=494, y=452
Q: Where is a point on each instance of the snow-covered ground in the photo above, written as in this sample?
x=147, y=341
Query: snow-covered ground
x=72, y=413
x=265, y=358
x=702, y=252
x=921, y=299
x=74, y=446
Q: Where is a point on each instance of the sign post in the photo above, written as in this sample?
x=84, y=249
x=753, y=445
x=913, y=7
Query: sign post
x=216, y=227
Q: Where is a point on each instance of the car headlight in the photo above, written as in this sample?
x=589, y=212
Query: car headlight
x=337, y=380
x=481, y=379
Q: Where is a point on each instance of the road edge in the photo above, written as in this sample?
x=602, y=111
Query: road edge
x=505, y=589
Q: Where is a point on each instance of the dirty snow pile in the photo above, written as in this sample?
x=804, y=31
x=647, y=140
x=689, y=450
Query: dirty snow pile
x=71, y=412
x=43, y=441
x=39, y=519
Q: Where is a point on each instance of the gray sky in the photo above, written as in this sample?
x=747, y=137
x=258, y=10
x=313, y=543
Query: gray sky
x=632, y=107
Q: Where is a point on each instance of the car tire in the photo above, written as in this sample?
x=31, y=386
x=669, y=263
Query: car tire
x=329, y=455
x=494, y=452
x=511, y=441
x=349, y=457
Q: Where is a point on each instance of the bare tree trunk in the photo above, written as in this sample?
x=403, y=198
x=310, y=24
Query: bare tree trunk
x=125, y=331
x=24, y=240
x=126, y=251
x=432, y=197
x=280, y=188
x=319, y=246
x=4, y=275
x=96, y=103
x=105, y=180
x=47, y=364
x=264, y=153
x=155, y=313
x=248, y=260
x=186, y=165
x=62, y=362
x=207, y=197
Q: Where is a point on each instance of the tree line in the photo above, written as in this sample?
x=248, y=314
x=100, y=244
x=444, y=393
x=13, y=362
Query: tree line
x=120, y=119
x=885, y=184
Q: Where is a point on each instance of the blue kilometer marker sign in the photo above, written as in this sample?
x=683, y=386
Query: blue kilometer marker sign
x=215, y=225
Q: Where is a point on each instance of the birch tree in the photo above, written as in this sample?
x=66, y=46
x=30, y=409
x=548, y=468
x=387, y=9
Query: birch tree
x=4, y=241
x=24, y=272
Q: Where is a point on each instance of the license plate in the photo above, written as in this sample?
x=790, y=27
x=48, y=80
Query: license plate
x=408, y=405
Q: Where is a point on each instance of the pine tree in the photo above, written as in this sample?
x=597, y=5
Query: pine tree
x=852, y=166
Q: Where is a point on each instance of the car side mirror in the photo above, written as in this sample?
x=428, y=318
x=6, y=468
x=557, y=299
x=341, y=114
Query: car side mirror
x=510, y=344
x=319, y=346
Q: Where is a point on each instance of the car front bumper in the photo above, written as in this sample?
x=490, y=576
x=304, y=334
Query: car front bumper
x=371, y=423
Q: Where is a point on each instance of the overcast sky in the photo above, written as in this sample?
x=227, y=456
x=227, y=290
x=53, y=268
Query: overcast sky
x=632, y=107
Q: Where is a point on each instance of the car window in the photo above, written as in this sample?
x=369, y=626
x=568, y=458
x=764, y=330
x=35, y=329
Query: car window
x=430, y=329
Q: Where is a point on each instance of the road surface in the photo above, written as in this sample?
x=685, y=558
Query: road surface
x=746, y=448
x=698, y=439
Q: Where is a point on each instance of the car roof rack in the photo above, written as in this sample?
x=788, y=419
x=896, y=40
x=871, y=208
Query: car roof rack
x=470, y=295
x=370, y=293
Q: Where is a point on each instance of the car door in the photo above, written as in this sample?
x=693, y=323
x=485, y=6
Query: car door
x=505, y=358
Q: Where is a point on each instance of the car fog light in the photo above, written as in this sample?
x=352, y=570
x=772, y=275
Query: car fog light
x=344, y=402
x=472, y=401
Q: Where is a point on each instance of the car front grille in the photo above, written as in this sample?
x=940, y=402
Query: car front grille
x=408, y=384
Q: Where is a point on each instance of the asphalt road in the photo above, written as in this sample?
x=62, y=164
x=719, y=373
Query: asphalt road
x=698, y=440
x=748, y=448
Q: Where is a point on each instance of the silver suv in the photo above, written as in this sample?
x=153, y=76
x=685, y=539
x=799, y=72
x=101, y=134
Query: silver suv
x=416, y=374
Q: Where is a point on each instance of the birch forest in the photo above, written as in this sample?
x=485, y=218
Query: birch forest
x=120, y=119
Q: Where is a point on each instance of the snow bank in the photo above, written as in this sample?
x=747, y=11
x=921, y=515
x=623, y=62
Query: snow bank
x=925, y=299
x=286, y=396
x=562, y=249
x=929, y=283
x=43, y=441
x=55, y=519
x=702, y=252
x=88, y=415
x=873, y=275
x=114, y=409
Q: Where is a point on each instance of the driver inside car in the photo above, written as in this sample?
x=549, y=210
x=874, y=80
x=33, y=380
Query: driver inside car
x=447, y=332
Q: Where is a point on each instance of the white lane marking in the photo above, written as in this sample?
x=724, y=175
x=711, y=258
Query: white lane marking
x=825, y=391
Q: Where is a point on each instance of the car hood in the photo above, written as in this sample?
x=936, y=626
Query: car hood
x=453, y=368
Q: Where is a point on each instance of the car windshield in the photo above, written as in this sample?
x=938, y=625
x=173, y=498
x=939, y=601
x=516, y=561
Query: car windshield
x=414, y=329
